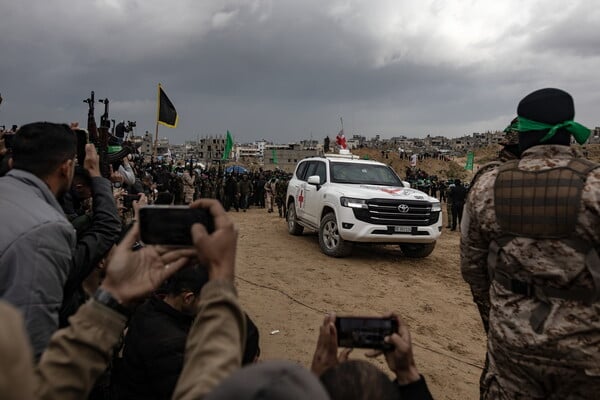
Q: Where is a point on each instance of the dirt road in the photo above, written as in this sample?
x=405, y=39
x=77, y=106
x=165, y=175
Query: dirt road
x=286, y=284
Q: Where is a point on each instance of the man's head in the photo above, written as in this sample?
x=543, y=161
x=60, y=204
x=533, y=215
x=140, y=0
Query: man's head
x=48, y=151
x=546, y=117
x=270, y=380
x=164, y=198
x=358, y=380
x=183, y=289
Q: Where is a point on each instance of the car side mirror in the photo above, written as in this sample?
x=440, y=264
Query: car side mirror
x=315, y=180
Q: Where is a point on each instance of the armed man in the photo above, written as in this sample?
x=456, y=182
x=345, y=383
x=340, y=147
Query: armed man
x=528, y=251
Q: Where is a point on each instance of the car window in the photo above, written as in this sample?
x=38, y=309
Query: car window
x=310, y=170
x=321, y=170
x=300, y=172
x=357, y=173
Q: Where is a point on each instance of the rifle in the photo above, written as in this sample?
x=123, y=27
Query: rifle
x=103, y=136
x=91, y=123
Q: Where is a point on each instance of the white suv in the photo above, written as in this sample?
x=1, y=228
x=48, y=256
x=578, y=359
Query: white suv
x=350, y=200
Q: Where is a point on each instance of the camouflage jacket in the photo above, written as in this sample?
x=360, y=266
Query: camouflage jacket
x=281, y=188
x=571, y=330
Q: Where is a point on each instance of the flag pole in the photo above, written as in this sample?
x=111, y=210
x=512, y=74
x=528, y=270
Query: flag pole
x=155, y=140
x=154, y=153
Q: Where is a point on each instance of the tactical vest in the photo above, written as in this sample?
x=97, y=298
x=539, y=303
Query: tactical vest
x=542, y=205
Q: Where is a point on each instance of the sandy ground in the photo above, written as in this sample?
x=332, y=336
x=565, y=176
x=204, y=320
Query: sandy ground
x=285, y=283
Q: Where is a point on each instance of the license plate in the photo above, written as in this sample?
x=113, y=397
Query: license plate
x=402, y=229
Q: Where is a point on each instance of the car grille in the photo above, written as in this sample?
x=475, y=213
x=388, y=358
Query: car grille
x=387, y=212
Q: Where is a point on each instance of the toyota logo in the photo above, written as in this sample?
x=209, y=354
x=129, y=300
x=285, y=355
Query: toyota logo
x=403, y=208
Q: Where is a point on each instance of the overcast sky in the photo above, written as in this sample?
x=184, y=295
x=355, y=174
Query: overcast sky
x=283, y=70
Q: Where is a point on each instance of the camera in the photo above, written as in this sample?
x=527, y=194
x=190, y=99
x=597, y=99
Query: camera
x=130, y=125
x=365, y=332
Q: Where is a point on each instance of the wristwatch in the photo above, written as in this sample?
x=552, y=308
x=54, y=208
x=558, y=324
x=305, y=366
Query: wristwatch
x=105, y=298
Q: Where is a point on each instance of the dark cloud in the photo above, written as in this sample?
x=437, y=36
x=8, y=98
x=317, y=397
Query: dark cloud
x=276, y=70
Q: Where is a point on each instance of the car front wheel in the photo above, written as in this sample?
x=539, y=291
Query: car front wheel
x=330, y=240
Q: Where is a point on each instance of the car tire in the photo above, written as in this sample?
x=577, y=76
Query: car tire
x=294, y=228
x=330, y=240
x=417, y=250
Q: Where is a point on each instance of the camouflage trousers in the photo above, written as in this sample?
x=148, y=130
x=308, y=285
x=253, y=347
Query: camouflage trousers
x=280, y=201
x=449, y=214
x=511, y=378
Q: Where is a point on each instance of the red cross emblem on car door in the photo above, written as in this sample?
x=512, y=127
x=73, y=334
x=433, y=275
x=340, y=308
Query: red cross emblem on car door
x=301, y=198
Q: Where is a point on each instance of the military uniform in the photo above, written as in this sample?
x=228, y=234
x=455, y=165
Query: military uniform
x=449, y=205
x=188, y=181
x=280, y=193
x=270, y=190
x=541, y=294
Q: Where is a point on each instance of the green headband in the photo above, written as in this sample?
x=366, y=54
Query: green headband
x=114, y=149
x=579, y=132
x=512, y=127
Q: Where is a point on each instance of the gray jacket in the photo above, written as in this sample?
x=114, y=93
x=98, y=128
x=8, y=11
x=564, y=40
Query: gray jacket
x=36, y=252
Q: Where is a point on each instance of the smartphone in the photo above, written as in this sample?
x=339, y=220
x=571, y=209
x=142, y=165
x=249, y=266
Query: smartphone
x=82, y=140
x=171, y=225
x=365, y=332
x=8, y=140
x=129, y=198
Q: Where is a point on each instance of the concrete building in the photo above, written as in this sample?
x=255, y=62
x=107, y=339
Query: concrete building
x=286, y=157
x=208, y=149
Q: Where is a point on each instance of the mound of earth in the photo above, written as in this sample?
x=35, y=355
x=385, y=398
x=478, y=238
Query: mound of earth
x=453, y=167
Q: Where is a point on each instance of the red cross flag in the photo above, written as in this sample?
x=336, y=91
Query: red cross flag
x=340, y=139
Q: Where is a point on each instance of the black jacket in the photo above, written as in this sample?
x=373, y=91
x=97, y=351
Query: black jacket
x=153, y=352
x=458, y=194
x=92, y=245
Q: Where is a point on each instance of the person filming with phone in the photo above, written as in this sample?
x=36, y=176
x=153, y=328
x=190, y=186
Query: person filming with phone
x=356, y=379
x=77, y=355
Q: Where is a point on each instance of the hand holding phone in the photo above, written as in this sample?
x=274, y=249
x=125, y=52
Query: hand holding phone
x=171, y=225
x=365, y=332
x=326, y=354
x=399, y=357
x=92, y=160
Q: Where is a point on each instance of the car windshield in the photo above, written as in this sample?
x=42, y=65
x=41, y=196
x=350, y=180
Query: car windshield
x=358, y=173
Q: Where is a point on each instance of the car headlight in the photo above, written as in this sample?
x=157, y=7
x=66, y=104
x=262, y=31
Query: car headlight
x=436, y=207
x=353, y=203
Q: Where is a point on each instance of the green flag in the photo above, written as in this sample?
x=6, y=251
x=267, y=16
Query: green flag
x=228, y=146
x=274, y=154
x=470, y=159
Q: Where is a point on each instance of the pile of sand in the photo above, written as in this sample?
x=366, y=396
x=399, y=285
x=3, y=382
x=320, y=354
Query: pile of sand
x=454, y=168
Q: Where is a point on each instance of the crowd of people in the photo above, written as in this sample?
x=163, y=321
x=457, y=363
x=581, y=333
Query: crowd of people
x=89, y=311
x=181, y=183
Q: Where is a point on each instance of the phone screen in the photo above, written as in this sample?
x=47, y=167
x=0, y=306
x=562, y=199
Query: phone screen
x=171, y=225
x=82, y=140
x=364, y=332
